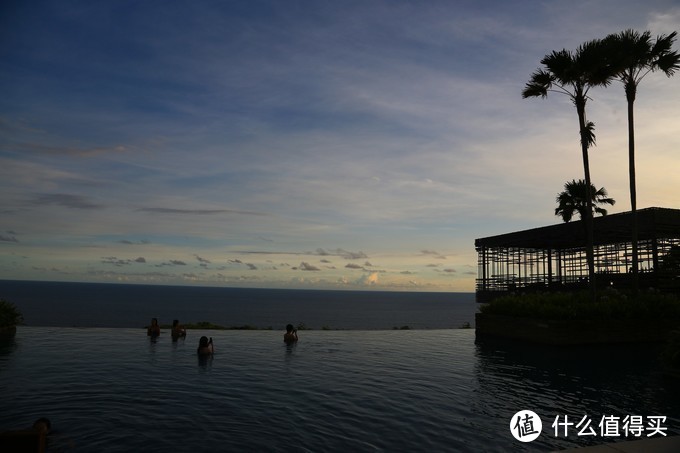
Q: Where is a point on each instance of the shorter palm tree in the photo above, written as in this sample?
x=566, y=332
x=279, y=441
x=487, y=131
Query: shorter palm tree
x=574, y=200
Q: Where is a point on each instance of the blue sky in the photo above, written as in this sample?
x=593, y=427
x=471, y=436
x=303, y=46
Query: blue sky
x=303, y=144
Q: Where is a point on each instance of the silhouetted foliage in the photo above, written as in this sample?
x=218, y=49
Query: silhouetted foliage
x=9, y=314
x=573, y=200
x=610, y=305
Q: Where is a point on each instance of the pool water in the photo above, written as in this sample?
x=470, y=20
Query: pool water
x=112, y=389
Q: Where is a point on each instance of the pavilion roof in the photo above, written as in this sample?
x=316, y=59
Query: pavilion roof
x=610, y=229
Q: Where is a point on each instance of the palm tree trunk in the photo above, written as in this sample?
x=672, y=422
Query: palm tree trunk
x=630, y=95
x=590, y=248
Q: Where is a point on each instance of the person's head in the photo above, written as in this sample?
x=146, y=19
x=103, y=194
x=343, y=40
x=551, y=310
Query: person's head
x=289, y=328
x=203, y=342
x=154, y=321
x=175, y=322
x=43, y=425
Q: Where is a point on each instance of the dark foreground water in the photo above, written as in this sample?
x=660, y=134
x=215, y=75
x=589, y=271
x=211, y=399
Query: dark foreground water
x=112, y=389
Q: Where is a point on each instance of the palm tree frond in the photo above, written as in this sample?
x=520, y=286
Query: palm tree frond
x=668, y=63
x=664, y=43
x=573, y=200
x=598, y=210
x=538, y=85
x=589, y=134
x=627, y=52
x=592, y=63
x=561, y=65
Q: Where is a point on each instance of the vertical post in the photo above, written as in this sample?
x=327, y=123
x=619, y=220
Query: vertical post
x=484, y=273
x=549, y=267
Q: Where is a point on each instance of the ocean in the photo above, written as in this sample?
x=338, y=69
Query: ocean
x=59, y=304
x=362, y=387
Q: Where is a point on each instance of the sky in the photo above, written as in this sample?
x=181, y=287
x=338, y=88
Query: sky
x=359, y=145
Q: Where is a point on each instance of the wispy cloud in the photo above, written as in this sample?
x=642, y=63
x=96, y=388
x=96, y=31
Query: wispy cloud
x=172, y=263
x=341, y=253
x=433, y=254
x=197, y=211
x=202, y=260
x=65, y=200
x=115, y=261
x=308, y=267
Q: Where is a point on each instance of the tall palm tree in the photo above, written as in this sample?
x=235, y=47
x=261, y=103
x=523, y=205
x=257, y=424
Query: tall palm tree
x=573, y=200
x=574, y=74
x=635, y=55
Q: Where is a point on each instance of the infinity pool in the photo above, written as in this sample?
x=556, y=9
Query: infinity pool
x=433, y=390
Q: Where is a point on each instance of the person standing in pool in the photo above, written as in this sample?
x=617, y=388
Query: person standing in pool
x=205, y=346
x=291, y=334
x=178, y=331
x=43, y=425
x=154, y=329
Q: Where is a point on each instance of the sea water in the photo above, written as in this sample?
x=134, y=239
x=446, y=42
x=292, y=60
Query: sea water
x=61, y=304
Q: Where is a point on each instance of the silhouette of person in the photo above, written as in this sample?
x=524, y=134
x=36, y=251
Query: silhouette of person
x=291, y=334
x=178, y=331
x=205, y=346
x=42, y=425
x=33, y=439
x=154, y=329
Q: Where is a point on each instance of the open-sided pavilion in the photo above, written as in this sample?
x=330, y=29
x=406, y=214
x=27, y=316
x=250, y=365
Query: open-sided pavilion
x=553, y=258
